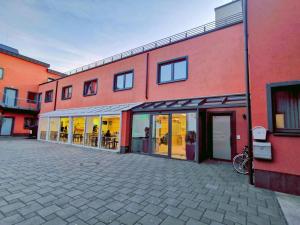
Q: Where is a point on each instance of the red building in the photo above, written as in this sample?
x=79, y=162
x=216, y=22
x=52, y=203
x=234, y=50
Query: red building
x=19, y=80
x=184, y=96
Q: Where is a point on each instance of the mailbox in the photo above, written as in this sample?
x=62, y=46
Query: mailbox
x=262, y=150
x=259, y=133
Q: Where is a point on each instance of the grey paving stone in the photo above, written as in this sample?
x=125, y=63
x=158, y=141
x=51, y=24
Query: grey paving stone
x=150, y=220
x=87, y=214
x=10, y=207
x=128, y=218
x=172, y=221
x=214, y=215
x=36, y=220
x=108, y=216
x=67, y=212
x=153, y=209
x=48, y=210
x=115, y=206
x=172, y=211
x=193, y=213
x=195, y=222
x=11, y=219
x=56, y=221
x=74, y=193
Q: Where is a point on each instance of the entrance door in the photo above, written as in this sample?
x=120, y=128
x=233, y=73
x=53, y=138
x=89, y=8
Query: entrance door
x=6, y=127
x=160, y=134
x=221, y=137
x=179, y=131
x=10, y=97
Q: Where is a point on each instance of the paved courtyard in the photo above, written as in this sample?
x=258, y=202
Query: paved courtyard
x=45, y=183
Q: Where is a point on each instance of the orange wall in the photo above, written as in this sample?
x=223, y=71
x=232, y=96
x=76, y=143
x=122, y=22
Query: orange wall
x=18, y=127
x=215, y=68
x=274, y=48
x=22, y=75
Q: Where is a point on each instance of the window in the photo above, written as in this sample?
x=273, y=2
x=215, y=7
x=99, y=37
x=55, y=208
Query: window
x=90, y=87
x=49, y=96
x=29, y=122
x=171, y=71
x=1, y=73
x=66, y=92
x=32, y=97
x=284, y=107
x=123, y=81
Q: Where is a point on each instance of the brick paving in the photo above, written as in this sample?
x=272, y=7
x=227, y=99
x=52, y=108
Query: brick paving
x=53, y=184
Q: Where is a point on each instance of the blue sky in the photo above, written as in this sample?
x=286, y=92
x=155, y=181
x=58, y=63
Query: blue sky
x=71, y=33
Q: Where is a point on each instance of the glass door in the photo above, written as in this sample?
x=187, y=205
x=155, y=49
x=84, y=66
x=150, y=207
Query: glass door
x=179, y=136
x=10, y=97
x=160, y=134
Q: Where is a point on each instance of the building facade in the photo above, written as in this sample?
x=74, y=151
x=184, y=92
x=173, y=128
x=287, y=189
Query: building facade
x=184, y=97
x=19, y=97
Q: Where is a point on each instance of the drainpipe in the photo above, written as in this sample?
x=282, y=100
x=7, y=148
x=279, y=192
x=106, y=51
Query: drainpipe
x=248, y=97
x=147, y=76
x=54, y=107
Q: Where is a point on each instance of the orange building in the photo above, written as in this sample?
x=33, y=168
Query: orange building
x=19, y=79
x=185, y=96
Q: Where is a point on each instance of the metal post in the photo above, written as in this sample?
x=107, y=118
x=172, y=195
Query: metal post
x=248, y=97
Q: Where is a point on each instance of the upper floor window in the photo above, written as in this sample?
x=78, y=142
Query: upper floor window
x=66, y=92
x=90, y=87
x=173, y=70
x=284, y=107
x=49, y=96
x=1, y=73
x=32, y=97
x=123, y=81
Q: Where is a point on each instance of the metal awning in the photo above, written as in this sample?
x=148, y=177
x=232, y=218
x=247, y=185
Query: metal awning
x=225, y=101
x=91, y=111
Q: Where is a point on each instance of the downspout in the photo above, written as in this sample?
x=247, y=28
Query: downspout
x=54, y=107
x=147, y=76
x=248, y=96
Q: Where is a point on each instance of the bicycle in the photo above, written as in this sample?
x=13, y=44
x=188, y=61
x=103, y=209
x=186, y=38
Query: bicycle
x=240, y=161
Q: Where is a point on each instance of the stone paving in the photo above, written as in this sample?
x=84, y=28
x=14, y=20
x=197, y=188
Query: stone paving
x=53, y=184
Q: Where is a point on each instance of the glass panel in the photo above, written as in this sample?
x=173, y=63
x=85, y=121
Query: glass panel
x=43, y=123
x=178, y=136
x=110, y=129
x=53, y=132
x=78, y=130
x=160, y=132
x=10, y=97
x=92, y=131
x=191, y=136
x=140, y=133
x=180, y=70
x=120, y=82
x=165, y=73
x=64, y=129
x=1, y=73
x=128, y=80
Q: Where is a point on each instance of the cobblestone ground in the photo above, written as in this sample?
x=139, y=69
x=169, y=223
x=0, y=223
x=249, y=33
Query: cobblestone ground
x=45, y=183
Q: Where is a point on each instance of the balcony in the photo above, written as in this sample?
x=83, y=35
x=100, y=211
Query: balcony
x=20, y=105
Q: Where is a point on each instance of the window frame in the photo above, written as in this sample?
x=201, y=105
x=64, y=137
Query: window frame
x=271, y=88
x=62, y=92
x=36, y=97
x=172, y=62
x=84, y=94
x=29, y=118
x=124, y=82
x=47, y=100
x=2, y=69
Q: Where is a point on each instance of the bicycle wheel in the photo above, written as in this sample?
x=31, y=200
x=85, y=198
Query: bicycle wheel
x=239, y=164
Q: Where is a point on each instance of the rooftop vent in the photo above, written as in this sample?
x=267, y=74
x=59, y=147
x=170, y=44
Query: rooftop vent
x=9, y=49
x=228, y=9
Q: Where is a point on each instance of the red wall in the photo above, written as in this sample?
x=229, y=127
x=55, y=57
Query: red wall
x=274, y=48
x=18, y=127
x=215, y=68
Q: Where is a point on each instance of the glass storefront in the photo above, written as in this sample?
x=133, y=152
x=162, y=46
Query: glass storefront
x=140, y=133
x=53, y=129
x=43, y=126
x=92, y=131
x=64, y=129
x=110, y=129
x=78, y=130
x=171, y=134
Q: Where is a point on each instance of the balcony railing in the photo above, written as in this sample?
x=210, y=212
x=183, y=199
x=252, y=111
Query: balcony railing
x=206, y=28
x=20, y=104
